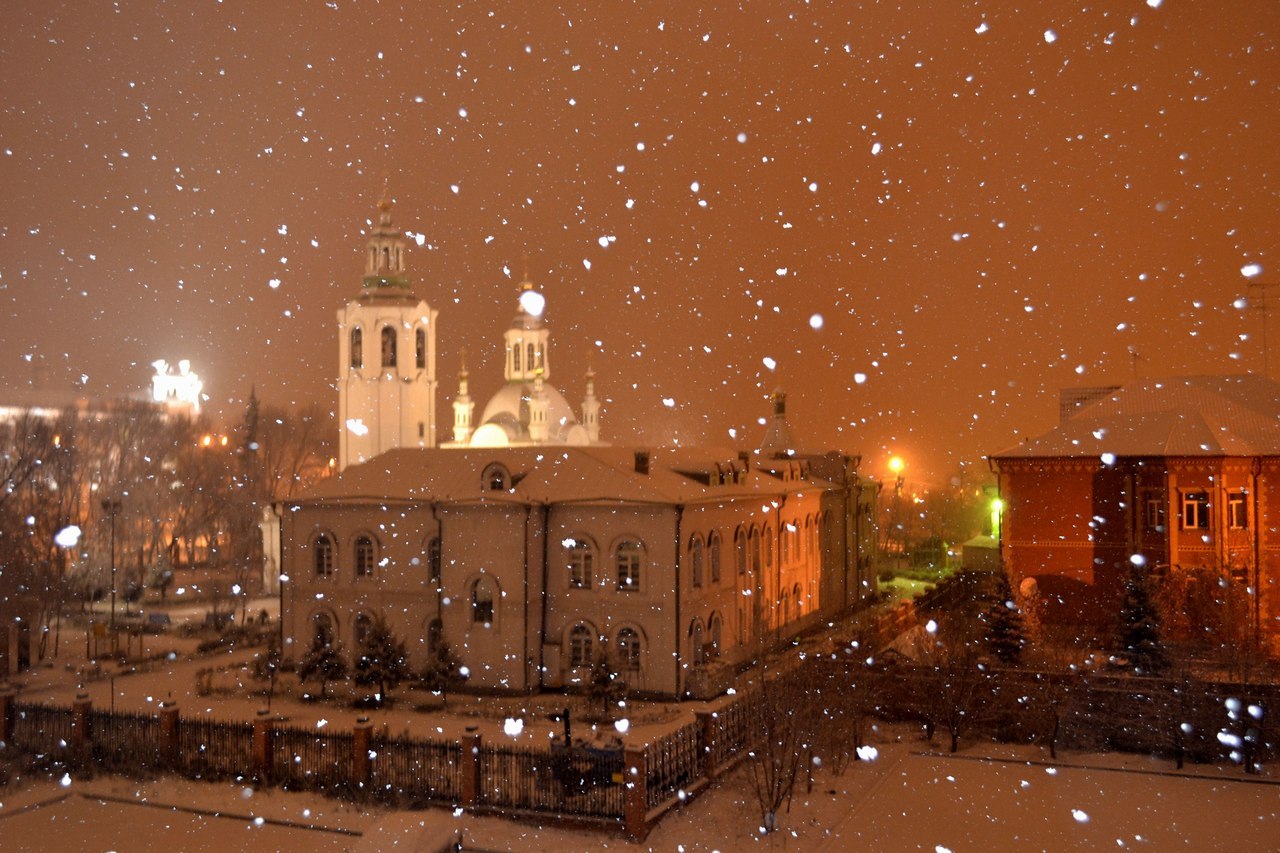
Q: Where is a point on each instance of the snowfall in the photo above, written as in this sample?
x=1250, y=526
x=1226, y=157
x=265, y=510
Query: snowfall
x=907, y=795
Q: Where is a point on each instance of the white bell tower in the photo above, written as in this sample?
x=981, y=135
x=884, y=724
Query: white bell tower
x=387, y=356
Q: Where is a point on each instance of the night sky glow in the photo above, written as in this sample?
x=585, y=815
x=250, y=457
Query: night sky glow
x=921, y=219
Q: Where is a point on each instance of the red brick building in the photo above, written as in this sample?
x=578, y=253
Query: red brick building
x=1176, y=475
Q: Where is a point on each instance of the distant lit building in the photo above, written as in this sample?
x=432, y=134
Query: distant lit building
x=1173, y=475
x=177, y=390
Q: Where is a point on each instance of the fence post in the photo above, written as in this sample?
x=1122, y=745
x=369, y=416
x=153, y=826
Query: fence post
x=169, y=734
x=707, y=721
x=263, y=745
x=80, y=734
x=6, y=717
x=470, y=759
x=360, y=763
x=635, y=807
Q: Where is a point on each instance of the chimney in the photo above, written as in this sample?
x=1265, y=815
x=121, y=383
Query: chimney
x=642, y=462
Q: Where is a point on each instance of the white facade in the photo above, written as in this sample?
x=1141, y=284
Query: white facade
x=387, y=356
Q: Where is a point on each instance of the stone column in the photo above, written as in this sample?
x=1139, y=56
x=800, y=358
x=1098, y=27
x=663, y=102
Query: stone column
x=360, y=761
x=263, y=746
x=470, y=759
x=635, y=805
x=169, y=749
x=81, y=737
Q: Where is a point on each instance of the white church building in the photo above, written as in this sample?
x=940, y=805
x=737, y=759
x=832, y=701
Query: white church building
x=530, y=547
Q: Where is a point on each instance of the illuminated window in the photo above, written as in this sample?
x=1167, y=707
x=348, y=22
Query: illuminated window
x=628, y=643
x=1195, y=511
x=627, y=558
x=364, y=556
x=357, y=347
x=388, y=347
x=1237, y=510
x=324, y=549
x=581, y=646
x=581, y=563
x=420, y=348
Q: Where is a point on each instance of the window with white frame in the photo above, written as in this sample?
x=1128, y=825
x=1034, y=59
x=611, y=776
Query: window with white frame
x=1195, y=510
x=365, y=556
x=324, y=553
x=581, y=646
x=628, y=559
x=581, y=562
x=1238, y=510
x=628, y=646
x=1153, y=511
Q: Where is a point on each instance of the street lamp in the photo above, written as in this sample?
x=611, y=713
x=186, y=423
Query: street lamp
x=896, y=465
x=112, y=506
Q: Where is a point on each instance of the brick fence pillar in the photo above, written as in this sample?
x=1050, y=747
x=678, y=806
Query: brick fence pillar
x=169, y=755
x=264, y=735
x=470, y=758
x=707, y=725
x=6, y=718
x=81, y=737
x=635, y=806
x=360, y=763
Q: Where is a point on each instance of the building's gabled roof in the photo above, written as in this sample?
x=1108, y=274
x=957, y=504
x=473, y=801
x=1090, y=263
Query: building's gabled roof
x=547, y=475
x=1182, y=416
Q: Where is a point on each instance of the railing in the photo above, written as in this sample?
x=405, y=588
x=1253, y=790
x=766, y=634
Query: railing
x=208, y=749
x=312, y=760
x=416, y=770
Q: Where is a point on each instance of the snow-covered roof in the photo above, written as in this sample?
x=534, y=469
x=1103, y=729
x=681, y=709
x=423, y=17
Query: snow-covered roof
x=550, y=475
x=1181, y=416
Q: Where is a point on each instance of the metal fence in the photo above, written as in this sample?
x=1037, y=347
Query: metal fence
x=214, y=750
x=416, y=770
x=311, y=759
x=577, y=782
x=126, y=740
x=44, y=729
x=673, y=764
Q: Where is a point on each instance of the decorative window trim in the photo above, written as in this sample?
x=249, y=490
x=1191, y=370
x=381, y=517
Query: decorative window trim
x=324, y=557
x=628, y=658
x=580, y=562
x=364, y=552
x=1196, y=510
x=388, y=340
x=628, y=562
x=1238, y=510
x=580, y=640
x=495, y=478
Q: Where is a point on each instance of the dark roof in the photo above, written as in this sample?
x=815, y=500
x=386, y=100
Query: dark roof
x=1181, y=416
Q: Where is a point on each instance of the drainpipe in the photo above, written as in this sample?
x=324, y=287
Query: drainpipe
x=679, y=683
x=1255, y=469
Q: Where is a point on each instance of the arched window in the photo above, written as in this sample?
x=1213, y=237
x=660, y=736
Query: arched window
x=324, y=549
x=357, y=347
x=482, y=602
x=363, y=628
x=420, y=348
x=716, y=630
x=388, y=347
x=581, y=646
x=433, y=561
x=695, y=560
x=713, y=557
x=767, y=536
x=628, y=645
x=528, y=361
x=740, y=551
x=696, y=642
x=515, y=358
x=754, y=538
x=323, y=631
x=627, y=558
x=798, y=597
x=364, y=556
x=495, y=478
x=581, y=562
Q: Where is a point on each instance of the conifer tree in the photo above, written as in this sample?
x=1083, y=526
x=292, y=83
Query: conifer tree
x=1005, y=638
x=381, y=660
x=443, y=672
x=1139, y=635
x=323, y=662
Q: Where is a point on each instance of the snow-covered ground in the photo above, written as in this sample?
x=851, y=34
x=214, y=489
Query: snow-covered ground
x=909, y=798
